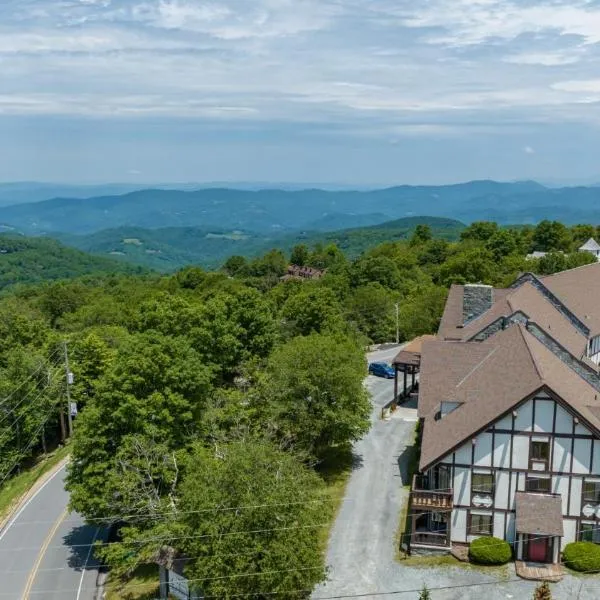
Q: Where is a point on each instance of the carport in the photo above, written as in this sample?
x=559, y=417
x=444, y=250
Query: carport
x=408, y=362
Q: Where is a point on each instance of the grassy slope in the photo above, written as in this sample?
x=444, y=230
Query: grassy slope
x=16, y=487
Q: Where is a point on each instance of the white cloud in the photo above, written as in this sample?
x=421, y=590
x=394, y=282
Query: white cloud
x=528, y=150
x=395, y=67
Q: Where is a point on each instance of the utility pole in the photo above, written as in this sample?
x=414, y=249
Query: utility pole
x=397, y=305
x=68, y=380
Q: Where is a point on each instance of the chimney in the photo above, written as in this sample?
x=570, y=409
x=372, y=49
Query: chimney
x=477, y=299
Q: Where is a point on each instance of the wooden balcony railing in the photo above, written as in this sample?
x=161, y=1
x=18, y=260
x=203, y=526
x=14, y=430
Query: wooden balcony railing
x=430, y=538
x=430, y=499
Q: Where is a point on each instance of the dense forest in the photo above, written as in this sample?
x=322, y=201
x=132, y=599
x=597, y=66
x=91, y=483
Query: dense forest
x=216, y=408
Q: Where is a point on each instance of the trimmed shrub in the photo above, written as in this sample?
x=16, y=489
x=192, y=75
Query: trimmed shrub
x=582, y=556
x=542, y=592
x=489, y=551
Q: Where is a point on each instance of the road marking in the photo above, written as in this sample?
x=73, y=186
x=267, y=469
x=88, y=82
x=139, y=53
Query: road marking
x=14, y=519
x=42, y=553
x=87, y=559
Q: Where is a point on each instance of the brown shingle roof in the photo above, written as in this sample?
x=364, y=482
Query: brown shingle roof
x=527, y=299
x=579, y=289
x=539, y=514
x=489, y=379
x=411, y=353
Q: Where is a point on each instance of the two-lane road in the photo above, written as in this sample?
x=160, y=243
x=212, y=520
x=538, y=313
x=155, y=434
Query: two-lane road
x=45, y=551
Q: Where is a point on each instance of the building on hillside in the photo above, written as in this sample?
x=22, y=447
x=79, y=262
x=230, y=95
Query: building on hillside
x=509, y=402
x=302, y=273
x=593, y=247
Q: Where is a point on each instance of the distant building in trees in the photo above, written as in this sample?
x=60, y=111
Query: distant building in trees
x=302, y=273
x=593, y=247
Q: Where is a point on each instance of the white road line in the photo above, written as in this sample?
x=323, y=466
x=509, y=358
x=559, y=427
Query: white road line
x=14, y=519
x=87, y=560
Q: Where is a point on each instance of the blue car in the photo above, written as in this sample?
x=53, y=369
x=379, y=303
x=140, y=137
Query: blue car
x=381, y=369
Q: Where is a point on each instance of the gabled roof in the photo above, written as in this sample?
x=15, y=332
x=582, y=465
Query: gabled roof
x=527, y=299
x=591, y=246
x=489, y=379
x=579, y=290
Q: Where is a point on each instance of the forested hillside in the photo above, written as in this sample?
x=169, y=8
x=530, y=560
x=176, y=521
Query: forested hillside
x=32, y=260
x=204, y=391
x=168, y=249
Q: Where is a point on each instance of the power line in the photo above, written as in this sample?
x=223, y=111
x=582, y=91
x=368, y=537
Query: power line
x=42, y=366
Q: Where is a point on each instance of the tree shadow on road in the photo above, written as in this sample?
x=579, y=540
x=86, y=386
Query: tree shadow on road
x=79, y=541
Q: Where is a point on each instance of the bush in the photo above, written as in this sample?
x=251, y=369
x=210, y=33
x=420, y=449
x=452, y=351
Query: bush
x=582, y=556
x=490, y=551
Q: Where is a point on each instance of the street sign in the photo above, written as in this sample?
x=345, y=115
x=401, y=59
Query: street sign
x=70, y=378
x=73, y=408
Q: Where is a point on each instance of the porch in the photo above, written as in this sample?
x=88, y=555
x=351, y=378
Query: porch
x=552, y=572
x=539, y=527
x=408, y=363
x=430, y=512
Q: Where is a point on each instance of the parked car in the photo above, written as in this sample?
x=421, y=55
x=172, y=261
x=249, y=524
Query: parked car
x=381, y=369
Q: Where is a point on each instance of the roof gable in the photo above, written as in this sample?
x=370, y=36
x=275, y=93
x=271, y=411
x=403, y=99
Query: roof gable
x=515, y=365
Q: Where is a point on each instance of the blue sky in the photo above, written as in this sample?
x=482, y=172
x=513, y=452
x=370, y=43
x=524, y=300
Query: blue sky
x=348, y=91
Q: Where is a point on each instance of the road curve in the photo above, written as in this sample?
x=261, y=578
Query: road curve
x=45, y=550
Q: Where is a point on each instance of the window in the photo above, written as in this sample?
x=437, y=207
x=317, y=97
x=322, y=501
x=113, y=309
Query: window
x=591, y=492
x=538, y=484
x=589, y=532
x=482, y=483
x=540, y=452
x=480, y=524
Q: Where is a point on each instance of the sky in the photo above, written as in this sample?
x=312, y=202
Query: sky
x=358, y=92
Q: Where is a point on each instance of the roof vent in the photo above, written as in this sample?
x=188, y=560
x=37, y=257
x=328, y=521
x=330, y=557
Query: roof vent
x=448, y=406
x=477, y=299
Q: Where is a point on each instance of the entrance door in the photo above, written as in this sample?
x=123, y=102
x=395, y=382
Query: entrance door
x=538, y=549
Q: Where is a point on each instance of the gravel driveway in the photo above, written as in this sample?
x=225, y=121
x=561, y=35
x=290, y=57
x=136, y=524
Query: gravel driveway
x=362, y=546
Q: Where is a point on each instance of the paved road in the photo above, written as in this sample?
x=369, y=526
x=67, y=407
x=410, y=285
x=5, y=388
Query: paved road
x=40, y=556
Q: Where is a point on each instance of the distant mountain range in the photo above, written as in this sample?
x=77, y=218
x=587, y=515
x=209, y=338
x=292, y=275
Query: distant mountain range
x=270, y=212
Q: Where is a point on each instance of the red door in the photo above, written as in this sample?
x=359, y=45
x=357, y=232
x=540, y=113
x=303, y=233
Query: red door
x=538, y=549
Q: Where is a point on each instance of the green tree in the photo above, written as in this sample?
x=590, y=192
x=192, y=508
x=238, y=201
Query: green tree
x=313, y=309
x=191, y=277
x=421, y=235
x=274, y=538
x=300, y=255
x=581, y=234
x=475, y=265
x=550, y=236
x=553, y=262
x=502, y=244
x=235, y=265
x=480, y=231
x=425, y=595
x=156, y=387
x=376, y=269
x=371, y=307
x=314, y=387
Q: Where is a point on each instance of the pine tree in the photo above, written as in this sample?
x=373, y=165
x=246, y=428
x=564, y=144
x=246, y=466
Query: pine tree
x=425, y=595
x=542, y=592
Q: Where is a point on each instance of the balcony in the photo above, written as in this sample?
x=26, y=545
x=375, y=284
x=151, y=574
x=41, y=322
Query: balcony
x=429, y=499
x=430, y=538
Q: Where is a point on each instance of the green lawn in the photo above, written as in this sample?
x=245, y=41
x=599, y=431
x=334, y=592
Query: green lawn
x=16, y=487
x=142, y=585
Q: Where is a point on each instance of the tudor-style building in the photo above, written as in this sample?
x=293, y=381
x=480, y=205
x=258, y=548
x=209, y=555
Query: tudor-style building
x=509, y=401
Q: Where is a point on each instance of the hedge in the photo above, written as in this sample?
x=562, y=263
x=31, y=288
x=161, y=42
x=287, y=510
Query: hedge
x=489, y=551
x=582, y=556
